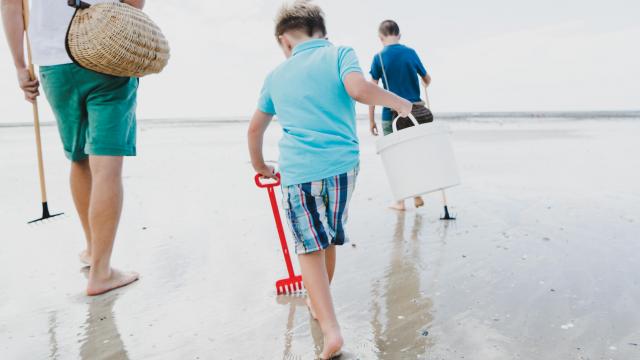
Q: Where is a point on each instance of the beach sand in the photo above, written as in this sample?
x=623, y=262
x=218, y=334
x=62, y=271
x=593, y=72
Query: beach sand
x=542, y=262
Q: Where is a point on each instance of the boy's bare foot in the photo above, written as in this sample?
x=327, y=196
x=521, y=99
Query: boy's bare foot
x=398, y=206
x=310, y=306
x=332, y=344
x=85, y=257
x=115, y=280
x=418, y=202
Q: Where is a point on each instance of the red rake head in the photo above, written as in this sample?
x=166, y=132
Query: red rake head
x=290, y=285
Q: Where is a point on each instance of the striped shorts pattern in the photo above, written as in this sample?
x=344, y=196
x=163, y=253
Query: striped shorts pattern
x=317, y=211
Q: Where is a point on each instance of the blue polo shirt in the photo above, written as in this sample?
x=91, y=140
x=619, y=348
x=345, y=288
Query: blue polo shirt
x=317, y=115
x=401, y=64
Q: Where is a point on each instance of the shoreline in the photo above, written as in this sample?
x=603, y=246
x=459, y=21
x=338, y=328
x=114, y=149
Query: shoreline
x=479, y=117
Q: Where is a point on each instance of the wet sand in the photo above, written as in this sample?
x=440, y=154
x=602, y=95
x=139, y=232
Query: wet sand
x=542, y=262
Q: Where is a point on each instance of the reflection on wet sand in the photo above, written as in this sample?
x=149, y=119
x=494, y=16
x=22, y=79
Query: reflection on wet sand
x=401, y=313
x=293, y=301
x=102, y=339
x=53, y=341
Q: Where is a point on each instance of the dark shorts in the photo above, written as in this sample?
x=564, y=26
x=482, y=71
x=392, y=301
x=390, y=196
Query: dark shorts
x=419, y=111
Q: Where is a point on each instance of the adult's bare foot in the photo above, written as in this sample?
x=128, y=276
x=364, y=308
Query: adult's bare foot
x=399, y=206
x=85, y=257
x=332, y=344
x=418, y=202
x=115, y=280
x=310, y=306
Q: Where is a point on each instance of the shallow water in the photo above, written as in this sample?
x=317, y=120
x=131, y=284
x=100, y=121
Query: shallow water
x=541, y=263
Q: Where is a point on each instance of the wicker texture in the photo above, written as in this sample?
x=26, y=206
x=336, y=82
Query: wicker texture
x=117, y=39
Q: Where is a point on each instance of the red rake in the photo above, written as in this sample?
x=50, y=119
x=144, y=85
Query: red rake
x=293, y=283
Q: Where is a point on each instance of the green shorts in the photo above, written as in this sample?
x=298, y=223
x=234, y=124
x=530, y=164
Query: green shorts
x=96, y=113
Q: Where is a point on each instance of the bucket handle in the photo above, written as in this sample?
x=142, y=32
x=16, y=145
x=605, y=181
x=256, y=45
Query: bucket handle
x=394, y=125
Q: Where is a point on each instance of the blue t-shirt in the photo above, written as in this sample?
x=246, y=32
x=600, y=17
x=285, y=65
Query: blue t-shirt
x=401, y=64
x=317, y=115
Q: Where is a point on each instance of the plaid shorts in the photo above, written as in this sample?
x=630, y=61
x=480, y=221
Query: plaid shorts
x=317, y=211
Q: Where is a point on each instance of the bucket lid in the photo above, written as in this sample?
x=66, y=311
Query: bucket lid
x=422, y=130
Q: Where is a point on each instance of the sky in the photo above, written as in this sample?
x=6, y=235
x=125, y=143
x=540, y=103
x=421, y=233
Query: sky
x=491, y=55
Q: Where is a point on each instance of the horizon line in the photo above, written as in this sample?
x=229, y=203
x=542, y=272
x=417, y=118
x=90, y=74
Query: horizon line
x=448, y=115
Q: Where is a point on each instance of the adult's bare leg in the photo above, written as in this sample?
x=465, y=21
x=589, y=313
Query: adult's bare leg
x=104, y=216
x=80, y=181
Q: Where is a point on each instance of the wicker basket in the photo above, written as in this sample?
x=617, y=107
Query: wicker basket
x=116, y=39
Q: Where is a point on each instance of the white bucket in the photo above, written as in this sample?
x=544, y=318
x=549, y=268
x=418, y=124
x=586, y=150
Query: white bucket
x=418, y=159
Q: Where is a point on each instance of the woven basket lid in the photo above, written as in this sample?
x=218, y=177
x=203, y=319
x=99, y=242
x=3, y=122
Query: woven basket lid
x=117, y=39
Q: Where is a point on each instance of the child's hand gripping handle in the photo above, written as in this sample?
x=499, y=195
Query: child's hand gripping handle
x=259, y=178
x=395, y=121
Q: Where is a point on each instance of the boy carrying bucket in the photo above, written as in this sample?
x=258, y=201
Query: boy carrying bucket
x=397, y=65
x=313, y=95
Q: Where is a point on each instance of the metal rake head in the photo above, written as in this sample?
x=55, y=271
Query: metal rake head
x=446, y=214
x=45, y=215
x=289, y=286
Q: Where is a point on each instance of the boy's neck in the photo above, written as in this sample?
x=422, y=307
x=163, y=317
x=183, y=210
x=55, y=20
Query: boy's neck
x=390, y=40
x=302, y=38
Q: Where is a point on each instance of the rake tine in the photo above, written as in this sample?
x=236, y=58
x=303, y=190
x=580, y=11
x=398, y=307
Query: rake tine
x=44, y=220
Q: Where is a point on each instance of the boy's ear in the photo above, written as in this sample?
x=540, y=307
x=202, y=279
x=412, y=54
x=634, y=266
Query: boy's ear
x=284, y=41
x=285, y=44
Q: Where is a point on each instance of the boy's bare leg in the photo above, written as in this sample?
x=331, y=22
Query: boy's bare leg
x=316, y=281
x=418, y=202
x=330, y=263
x=104, y=215
x=398, y=206
x=80, y=180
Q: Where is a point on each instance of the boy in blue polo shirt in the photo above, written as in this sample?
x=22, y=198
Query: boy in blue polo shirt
x=398, y=66
x=313, y=94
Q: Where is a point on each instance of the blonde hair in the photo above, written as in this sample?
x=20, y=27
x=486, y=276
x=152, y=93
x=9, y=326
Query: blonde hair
x=300, y=15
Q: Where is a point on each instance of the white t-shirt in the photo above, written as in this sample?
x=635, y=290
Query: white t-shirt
x=48, y=29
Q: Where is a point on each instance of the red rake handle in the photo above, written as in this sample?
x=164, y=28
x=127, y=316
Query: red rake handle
x=263, y=185
x=276, y=216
